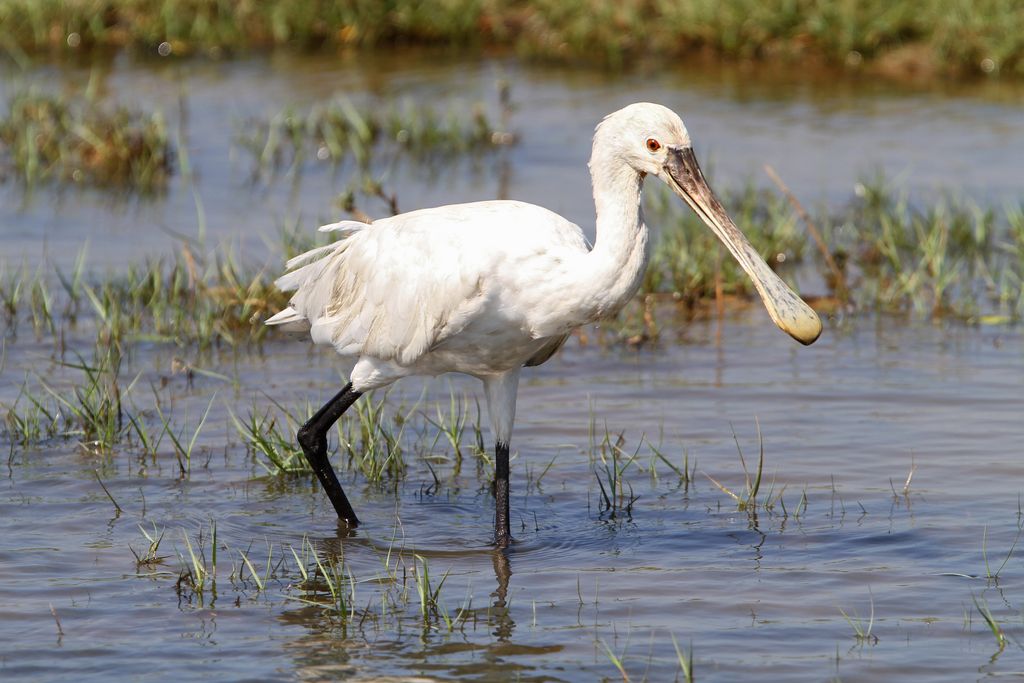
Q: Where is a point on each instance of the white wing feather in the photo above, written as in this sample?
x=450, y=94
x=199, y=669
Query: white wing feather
x=397, y=288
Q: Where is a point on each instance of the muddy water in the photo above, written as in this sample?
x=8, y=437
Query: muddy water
x=843, y=422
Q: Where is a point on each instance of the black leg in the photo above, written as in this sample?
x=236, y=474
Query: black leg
x=312, y=438
x=502, y=532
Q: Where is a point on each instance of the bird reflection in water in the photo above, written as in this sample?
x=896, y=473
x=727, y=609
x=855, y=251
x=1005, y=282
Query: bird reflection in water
x=478, y=643
x=504, y=625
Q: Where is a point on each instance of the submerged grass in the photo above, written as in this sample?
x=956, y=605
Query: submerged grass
x=932, y=37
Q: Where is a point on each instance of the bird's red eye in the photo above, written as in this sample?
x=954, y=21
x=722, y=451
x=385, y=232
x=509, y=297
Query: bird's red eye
x=653, y=145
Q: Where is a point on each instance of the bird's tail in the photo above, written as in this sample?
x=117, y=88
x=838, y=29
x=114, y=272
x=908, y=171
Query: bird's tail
x=307, y=267
x=289, y=320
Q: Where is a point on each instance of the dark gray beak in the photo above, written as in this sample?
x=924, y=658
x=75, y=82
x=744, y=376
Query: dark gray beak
x=789, y=311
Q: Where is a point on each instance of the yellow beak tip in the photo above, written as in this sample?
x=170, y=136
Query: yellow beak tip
x=806, y=331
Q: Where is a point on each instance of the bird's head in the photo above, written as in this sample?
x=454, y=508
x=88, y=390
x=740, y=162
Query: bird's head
x=652, y=139
x=641, y=135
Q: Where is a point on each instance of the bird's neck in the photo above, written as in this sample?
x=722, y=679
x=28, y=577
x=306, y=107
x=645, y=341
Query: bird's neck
x=620, y=253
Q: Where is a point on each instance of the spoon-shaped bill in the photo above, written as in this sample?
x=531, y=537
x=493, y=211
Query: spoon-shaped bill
x=789, y=311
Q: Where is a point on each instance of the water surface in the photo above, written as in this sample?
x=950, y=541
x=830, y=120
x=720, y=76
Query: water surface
x=822, y=134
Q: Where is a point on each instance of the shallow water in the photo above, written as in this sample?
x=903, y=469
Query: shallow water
x=822, y=134
x=844, y=423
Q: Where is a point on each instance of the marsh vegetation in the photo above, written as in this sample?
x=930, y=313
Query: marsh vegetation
x=694, y=499
x=936, y=37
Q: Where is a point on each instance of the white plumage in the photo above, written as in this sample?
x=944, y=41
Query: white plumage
x=467, y=288
x=488, y=287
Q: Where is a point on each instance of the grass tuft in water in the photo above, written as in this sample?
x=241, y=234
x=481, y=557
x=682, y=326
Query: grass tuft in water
x=183, y=449
x=989, y=574
x=339, y=131
x=747, y=499
x=149, y=557
x=452, y=425
x=264, y=436
x=861, y=630
x=429, y=594
x=184, y=300
x=47, y=138
x=685, y=660
x=93, y=410
x=328, y=584
x=951, y=258
x=261, y=581
x=198, y=572
x=616, y=661
x=610, y=464
x=990, y=621
x=188, y=301
x=34, y=423
x=373, y=441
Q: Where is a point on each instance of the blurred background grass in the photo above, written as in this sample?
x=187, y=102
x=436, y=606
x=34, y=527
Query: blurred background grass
x=930, y=38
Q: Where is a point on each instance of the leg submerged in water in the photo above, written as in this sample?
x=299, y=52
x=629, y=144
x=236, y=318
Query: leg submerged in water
x=502, y=529
x=312, y=438
x=501, y=403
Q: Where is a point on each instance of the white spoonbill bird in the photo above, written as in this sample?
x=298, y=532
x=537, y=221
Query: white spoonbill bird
x=489, y=287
